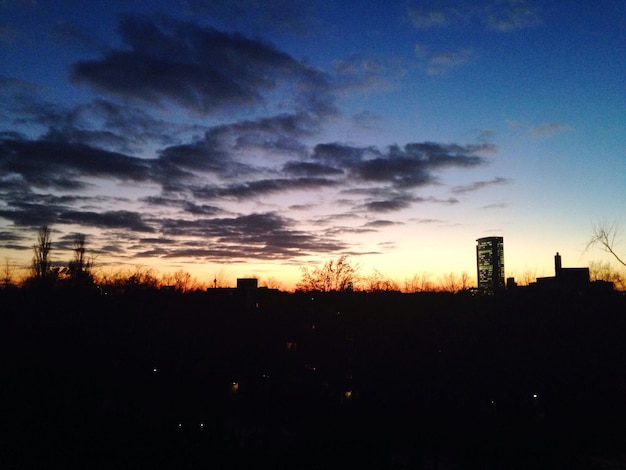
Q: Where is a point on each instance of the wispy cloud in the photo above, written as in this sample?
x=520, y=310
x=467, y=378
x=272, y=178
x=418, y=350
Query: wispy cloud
x=548, y=129
x=443, y=61
x=497, y=15
x=543, y=130
x=478, y=185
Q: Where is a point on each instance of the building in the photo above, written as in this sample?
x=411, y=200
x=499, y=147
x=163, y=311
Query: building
x=490, y=264
x=565, y=279
x=247, y=283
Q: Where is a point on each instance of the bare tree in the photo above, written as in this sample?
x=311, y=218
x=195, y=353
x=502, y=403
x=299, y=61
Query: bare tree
x=41, y=265
x=43, y=274
x=464, y=281
x=604, y=235
x=450, y=283
x=272, y=283
x=418, y=283
x=79, y=270
x=604, y=271
x=334, y=275
x=7, y=273
x=142, y=278
x=183, y=281
x=377, y=282
x=528, y=276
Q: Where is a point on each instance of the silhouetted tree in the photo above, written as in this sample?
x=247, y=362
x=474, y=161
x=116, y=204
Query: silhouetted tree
x=7, y=273
x=181, y=280
x=604, y=234
x=418, y=283
x=334, y=275
x=79, y=270
x=378, y=282
x=42, y=272
x=271, y=283
x=604, y=271
x=450, y=283
x=142, y=278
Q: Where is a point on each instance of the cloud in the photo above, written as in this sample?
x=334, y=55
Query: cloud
x=442, y=62
x=543, y=130
x=288, y=17
x=478, y=185
x=66, y=164
x=510, y=15
x=257, y=235
x=233, y=142
x=201, y=69
x=426, y=18
x=397, y=202
x=496, y=205
x=253, y=189
x=367, y=120
x=381, y=223
x=548, y=129
x=128, y=220
x=310, y=169
x=497, y=15
x=410, y=166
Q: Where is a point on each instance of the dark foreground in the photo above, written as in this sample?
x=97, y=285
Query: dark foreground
x=263, y=379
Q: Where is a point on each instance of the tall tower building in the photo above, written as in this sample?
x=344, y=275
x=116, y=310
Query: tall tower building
x=490, y=264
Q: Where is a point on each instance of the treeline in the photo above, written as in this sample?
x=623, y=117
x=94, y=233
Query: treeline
x=335, y=275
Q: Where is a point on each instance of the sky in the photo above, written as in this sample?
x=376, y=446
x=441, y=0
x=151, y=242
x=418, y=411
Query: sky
x=253, y=138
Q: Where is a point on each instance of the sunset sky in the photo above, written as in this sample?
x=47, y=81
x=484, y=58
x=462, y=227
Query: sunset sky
x=254, y=137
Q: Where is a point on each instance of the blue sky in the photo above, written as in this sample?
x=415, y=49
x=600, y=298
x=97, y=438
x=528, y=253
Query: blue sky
x=254, y=138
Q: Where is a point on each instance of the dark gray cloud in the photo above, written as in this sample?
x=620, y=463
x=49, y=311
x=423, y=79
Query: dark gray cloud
x=128, y=220
x=62, y=165
x=260, y=235
x=381, y=223
x=259, y=188
x=310, y=169
x=410, y=166
x=199, y=68
x=32, y=210
x=398, y=202
x=216, y=152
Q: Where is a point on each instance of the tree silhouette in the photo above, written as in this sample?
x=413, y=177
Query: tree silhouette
x=604, y=234
x=7, y=274
x=42, y=272
x=334, y=275
x=79, y=270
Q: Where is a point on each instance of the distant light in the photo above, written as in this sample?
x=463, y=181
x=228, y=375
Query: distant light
x=493, y=402
x=180, y=425
x=535, y=395
x=348, y=394
x=201, y=424
x=154, y=370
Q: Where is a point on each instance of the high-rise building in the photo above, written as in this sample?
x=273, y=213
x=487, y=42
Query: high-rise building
x=490, y=264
